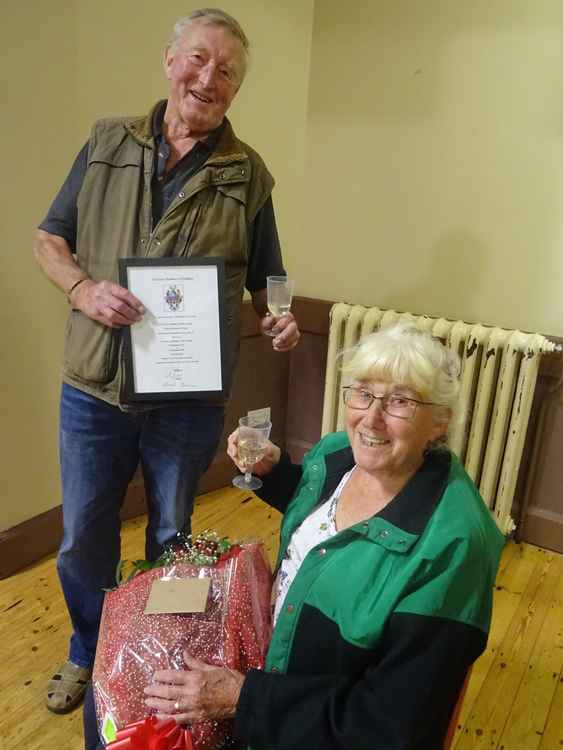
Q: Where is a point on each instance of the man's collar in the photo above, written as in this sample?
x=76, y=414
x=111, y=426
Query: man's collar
x=158, y=118
x=209, y=142
x=226, y=149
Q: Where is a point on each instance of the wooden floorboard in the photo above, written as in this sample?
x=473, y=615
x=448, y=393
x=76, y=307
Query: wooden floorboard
x=514, y=699
x=513, y=684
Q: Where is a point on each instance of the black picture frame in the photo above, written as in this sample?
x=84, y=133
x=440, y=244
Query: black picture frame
x=130, y=391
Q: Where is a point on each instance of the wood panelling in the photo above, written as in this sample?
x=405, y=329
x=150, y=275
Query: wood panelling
x=307, y=376
x=305, y=395
x=540, y=526
x=293, y=385
x=539, y=499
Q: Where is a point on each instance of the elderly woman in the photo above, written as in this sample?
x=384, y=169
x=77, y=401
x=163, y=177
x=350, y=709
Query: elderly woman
x=384, y=580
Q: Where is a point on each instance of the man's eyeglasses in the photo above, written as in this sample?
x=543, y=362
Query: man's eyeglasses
x=394, y=404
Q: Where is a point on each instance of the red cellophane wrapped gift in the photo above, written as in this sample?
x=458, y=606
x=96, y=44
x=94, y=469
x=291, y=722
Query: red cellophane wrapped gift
x=233, y=631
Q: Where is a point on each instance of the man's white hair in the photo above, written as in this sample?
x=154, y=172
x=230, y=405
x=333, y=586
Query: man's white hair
x=212, y=17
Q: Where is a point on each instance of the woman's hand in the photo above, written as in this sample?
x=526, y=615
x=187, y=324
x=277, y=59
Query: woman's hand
x=201, y=692
x=270, y=460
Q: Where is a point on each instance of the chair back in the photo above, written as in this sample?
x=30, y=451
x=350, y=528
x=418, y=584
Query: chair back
x=455, y=715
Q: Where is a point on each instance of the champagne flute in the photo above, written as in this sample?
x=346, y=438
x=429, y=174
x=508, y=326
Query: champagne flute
x=280, y=292
x=252, y=440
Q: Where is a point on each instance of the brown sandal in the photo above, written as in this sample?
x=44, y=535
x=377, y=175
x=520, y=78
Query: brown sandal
x=66, y=688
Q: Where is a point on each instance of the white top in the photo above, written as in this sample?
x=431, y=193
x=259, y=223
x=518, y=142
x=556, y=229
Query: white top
x=315, y=529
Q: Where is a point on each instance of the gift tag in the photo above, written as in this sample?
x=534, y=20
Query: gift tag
x=259, y=416
x=109, y=728
x=178, y=596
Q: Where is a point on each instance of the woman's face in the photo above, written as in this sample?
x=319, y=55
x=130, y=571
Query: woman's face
x=383, y=444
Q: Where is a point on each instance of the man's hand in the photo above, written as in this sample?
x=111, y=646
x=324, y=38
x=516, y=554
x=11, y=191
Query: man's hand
x=284, y=328
x=106, y=302
x=286, y=331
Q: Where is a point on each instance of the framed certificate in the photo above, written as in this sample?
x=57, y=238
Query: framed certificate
x=177, y=350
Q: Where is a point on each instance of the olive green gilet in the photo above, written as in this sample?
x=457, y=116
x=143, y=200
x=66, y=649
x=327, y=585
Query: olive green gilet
x=208, y=218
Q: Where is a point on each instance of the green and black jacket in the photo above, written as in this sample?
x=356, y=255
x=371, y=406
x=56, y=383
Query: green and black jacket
x=382, y=621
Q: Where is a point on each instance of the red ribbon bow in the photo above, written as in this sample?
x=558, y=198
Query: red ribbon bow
x=152, y=734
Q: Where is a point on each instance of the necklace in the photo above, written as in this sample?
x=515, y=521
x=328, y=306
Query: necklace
x=330, y=520
x=332, y=509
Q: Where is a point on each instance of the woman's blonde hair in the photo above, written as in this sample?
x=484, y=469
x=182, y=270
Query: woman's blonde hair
x=403, y=354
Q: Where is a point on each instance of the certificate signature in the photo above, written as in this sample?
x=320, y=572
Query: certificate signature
x=173, y=378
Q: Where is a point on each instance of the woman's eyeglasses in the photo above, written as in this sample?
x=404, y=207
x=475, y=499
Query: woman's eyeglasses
x=394, y=404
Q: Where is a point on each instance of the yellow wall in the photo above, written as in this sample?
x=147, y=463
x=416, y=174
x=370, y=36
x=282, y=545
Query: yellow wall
x=434, y=175
x=76, y=62
x=119, y=59
x=417, y=148
x=38, y=113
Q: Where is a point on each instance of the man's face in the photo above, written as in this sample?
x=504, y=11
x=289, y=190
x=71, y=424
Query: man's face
x=205, y=70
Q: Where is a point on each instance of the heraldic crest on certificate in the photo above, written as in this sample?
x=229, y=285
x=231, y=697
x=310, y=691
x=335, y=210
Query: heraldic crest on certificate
x=173, y=297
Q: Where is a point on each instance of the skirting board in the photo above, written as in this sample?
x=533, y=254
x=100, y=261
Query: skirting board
x=543, y=528
x=41, y=535
x=297, y=413
x=28, y=542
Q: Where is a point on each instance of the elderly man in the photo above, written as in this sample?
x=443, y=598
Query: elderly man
x=177, y=182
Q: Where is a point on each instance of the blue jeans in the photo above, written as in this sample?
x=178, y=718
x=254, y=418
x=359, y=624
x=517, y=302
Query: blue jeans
x=100, y=448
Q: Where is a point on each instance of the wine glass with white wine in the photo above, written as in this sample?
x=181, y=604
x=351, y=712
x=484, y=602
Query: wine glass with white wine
x=280, y=293
x=252, y=441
